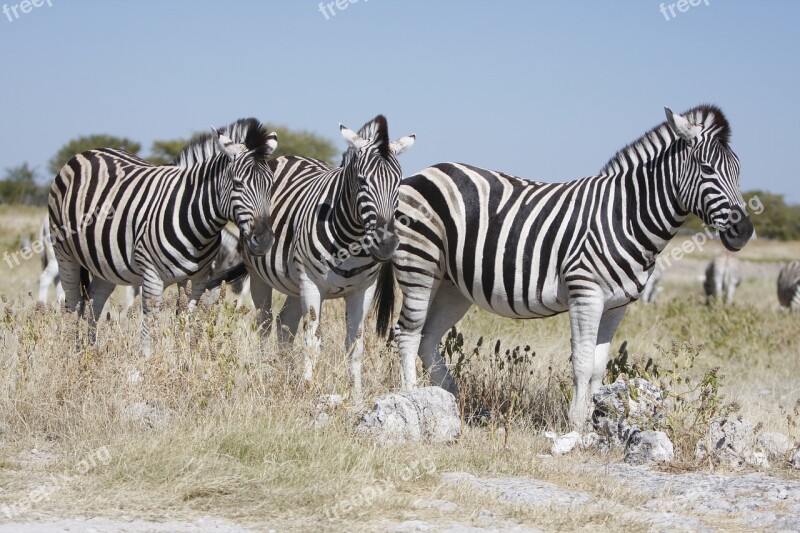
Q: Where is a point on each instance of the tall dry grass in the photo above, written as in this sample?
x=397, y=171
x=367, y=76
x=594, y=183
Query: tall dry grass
x=216, y=421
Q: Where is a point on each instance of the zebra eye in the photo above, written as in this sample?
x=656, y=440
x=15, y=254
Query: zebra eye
x=707, y=169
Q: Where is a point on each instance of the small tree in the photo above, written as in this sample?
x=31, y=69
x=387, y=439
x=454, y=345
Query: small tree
x=304, y=143
x=89, y=142
x=19, y=187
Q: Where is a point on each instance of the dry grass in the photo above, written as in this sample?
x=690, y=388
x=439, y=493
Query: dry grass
x=228, y=429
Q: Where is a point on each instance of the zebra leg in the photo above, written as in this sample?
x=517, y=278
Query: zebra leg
x=131, y=292
x=99, y=291
x=262, y=300
x=152, y=293
x=48, y=277
x=609, y=323
x=356, y=304
x=310, y=307
x=585, y=314
x=448, y=307
x=288, y=322
x=69, y=271
x=244, y=292
x=794, y=305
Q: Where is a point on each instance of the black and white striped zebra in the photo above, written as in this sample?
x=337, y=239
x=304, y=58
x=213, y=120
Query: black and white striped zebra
x=524, y=249
x=333, y=229
x=128, y=222
x=789, y=285
x=723, y=275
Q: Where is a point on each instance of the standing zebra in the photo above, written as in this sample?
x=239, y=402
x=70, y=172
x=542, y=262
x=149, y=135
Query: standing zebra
x=526, y=249
x=723, y=275
x=333, y=229
x=789, y=286
x=128, y=222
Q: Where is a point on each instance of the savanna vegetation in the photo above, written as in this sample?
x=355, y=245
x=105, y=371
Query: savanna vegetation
x=216, y=421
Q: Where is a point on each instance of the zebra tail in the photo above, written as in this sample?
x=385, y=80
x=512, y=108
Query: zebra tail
x=230, y=275
x=384, y=299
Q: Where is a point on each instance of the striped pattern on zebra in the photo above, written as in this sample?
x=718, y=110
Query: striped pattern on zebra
x=126, y=221
x=524, y=249
x=333, y=228
x=723, y=275
x=229, y=254
x=789, y=285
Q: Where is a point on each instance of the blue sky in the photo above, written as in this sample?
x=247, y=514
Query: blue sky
x=544, y=90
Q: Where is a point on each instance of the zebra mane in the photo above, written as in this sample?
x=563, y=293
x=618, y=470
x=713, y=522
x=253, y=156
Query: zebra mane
x=247, y=131
x=711, y=117
x=377, y=131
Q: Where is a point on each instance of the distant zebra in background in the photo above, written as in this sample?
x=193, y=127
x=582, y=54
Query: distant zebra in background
x=723, y=275
x=651, y=288
x=333, y=229
x=525, y=249
x=49, y=275
x=126, y=221
x=789, y=286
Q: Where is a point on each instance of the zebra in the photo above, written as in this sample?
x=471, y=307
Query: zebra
x=333, y=229
x=723, y=275
x=525, y=249
x=651, y=288
x=129, y=222
x=789, y=285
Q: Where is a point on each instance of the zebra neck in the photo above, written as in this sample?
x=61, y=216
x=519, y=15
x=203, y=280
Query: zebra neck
x=347, y=225
x=208, y=199
x=649, y=188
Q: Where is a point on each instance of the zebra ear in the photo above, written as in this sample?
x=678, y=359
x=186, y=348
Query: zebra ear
x=402, y=144
x=230, y=148
x=681, y=126
x=272, y=143
x=352, y=137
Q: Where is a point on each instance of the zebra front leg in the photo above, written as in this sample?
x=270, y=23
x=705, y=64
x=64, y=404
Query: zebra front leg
x=99, y=291
x=356, y=305
x=288, y=322
x=152, y=293
x=262, y=301
x=311, y=308
x=585, y=314
x=609, y=323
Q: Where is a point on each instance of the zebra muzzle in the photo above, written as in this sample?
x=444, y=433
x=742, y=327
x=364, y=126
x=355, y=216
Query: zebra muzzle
x=385, y=241
x=739, y=232
x=259, y=242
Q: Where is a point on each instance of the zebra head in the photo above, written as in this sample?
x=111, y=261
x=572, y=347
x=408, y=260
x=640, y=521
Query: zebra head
x=708, y=183
x=372, y=160
x=248, y=182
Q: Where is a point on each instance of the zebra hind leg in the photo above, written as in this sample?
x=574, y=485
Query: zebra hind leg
x=288, y=322
x=449, y=305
